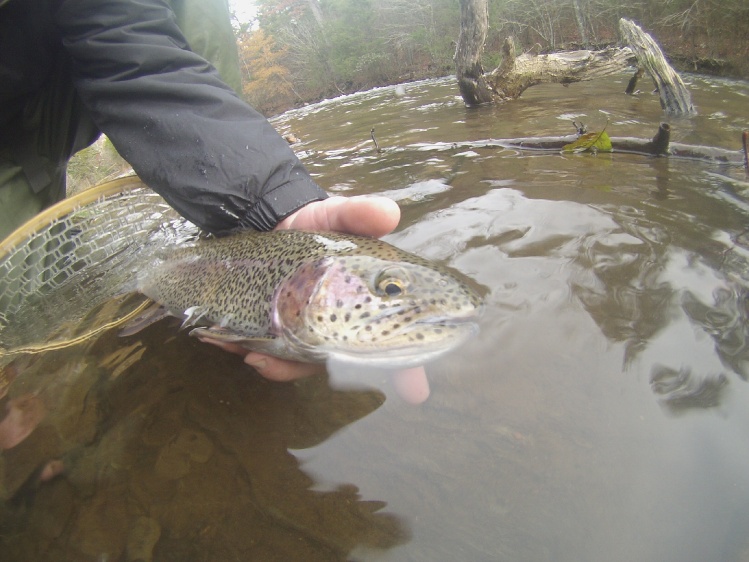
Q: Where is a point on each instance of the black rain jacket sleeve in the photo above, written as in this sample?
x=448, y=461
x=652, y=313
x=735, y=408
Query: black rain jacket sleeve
x=169, y=114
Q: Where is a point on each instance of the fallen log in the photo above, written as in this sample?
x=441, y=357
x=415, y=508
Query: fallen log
x=516, y=74
x=659, y=145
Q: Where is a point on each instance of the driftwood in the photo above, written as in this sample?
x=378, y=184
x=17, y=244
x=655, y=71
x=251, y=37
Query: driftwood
x=659, y=145
x=675, y=98
x=515, y=74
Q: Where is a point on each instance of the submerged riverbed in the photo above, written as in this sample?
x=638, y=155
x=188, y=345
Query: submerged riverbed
x=601, y=414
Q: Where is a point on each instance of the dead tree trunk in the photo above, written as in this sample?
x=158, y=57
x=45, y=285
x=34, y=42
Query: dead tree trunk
x=474, y=24
x=675, y=98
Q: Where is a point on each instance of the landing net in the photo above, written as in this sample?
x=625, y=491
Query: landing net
x=69, y=273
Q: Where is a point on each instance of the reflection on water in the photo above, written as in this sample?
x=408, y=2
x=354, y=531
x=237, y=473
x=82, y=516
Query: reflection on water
x=174, y=451
x=601, y=413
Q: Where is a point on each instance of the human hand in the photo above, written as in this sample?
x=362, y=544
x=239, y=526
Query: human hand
x=367, y=216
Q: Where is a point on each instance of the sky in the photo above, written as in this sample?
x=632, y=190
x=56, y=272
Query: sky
x=244, y=9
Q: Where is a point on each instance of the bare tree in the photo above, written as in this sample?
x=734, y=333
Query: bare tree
x=581, y=23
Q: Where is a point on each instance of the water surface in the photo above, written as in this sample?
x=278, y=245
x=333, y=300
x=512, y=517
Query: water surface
x=601, y=414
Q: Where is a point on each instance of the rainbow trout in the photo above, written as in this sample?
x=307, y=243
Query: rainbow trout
x=310, y=296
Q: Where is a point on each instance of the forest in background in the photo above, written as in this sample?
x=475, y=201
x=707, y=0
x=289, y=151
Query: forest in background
x=298, y=51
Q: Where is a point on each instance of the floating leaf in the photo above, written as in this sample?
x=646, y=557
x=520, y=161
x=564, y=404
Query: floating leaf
x=590, y=142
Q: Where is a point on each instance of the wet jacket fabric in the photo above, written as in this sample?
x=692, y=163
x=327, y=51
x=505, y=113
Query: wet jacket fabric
x=125, y=67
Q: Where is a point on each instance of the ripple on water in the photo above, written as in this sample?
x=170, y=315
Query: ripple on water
x=608, y=380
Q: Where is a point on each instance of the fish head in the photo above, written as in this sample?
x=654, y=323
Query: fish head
x=380, y=312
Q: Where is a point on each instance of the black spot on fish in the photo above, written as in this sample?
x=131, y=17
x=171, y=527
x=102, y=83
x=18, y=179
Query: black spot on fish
x=333, y=317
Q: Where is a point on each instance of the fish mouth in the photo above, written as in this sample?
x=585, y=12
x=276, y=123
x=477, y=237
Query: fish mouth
x=466, y=316
x=463, y=319
x=469, y=317
x=417, y=353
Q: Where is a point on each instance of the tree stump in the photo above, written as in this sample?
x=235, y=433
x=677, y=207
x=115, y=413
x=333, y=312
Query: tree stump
x=474, y=24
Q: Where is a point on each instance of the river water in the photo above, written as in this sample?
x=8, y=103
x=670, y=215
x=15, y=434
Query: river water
x=602, y=413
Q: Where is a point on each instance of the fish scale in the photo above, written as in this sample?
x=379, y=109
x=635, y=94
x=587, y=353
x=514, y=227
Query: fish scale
x=311, y=295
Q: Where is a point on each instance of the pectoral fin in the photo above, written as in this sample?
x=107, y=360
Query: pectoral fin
x=149, y=316
x=264, y=344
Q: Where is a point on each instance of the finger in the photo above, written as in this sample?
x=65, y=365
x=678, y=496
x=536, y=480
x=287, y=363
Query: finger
x=412, y=385
x=280, y=370
x=267, y=366
x=368, y=216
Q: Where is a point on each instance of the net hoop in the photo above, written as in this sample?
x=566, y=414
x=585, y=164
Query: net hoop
x=67, y=206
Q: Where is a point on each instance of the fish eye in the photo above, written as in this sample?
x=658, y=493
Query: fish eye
x=391, y=282
x=392, y=289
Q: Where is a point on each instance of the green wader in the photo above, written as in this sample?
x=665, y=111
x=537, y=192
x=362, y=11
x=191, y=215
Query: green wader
x=54, y=125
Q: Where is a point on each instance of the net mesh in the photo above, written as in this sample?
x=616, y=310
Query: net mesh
x=70, y=271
